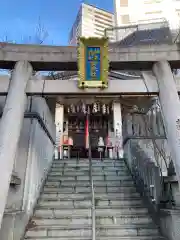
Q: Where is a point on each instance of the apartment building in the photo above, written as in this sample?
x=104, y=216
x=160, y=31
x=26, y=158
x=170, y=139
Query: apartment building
x=91, y=22
x=137, y=11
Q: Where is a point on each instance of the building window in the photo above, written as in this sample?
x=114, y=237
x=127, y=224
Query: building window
x=125, y=19
x=178, y=12
x=89, y=10
x=103, y=14
x=124, y=3
x=103, y=23
x=99, y=30
x=98, y=33
x=103, y=19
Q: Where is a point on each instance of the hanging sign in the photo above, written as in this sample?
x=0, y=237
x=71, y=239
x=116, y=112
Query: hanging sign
x=93, y=62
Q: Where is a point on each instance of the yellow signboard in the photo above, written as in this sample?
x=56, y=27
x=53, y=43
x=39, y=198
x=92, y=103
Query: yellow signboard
x=93, y=62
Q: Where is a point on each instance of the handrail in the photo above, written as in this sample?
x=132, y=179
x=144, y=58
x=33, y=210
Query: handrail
x=164, y=196
x=93, y=214
x=119, y=28
x=177, y=36
x=36, y=115
x=147, y=178
x=130, y=137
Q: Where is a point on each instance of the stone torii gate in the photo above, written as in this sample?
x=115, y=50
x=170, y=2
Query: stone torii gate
x=159, y=59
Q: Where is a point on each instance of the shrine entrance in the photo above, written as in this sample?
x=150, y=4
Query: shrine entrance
x=83, y=120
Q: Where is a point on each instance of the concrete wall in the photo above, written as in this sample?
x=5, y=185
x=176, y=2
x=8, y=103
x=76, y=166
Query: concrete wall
x=15, y=198
x=41, y=151
x=33, y=159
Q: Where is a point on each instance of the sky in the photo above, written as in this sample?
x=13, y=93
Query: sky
x=19, y=19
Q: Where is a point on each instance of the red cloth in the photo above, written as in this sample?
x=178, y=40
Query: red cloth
x=87, y=133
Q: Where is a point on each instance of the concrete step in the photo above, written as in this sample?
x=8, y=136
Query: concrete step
x=108, y=196
x=126, y=232
x=80, y=225
x=46, y=212
x=95, y=167
x=59, y=233
x=86, y=161
x=117, y=203
x=75, y=226
x=121, y=220
x=94, y=173
x=86, y=178
x=65, y=204
x=83, y=230
x=64, y=208
x=97, y=189
x=127, y=229
x=129, y=238
x=77, y=165
x=113, y=212
x=86, y=173
x=62, y=221
x=114, y=221
x=98, y=165
x=87, y=203
x=81, y=177
x=120, y=178
x=99, y=238
x=65, y=213
x=86, y=166
x=86, y=183
x=72, y=220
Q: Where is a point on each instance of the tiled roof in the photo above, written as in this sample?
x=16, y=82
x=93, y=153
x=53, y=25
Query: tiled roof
x=146, y=36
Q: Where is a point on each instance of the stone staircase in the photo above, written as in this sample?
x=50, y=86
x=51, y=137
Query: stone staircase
x=64, y=208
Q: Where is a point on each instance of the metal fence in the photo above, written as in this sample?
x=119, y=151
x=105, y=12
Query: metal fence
x=177, y=37
x=146, y=32
x=148, y=154
x=146, y=173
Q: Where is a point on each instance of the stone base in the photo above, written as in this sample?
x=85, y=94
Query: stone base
x=170, y=223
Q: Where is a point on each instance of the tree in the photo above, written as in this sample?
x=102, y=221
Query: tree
x=38, y=37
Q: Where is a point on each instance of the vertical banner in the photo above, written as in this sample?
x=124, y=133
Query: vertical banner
x=93, y=64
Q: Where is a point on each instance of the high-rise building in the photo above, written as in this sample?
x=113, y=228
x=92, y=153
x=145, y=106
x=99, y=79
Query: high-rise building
x=137, y=11
x=91, y=22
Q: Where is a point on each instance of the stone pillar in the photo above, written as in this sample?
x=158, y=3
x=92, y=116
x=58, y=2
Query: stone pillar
x=10, y=126
x=59, y=123
x=170, y=105
x=117, y=121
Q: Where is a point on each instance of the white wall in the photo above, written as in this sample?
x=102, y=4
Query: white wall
x=138, y=10
x=89, y=17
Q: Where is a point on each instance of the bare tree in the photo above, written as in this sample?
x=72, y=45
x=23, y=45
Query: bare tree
x=41, y=33
x=38, y=37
